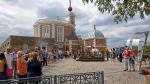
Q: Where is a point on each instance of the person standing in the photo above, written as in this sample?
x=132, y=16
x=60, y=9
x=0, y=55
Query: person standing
x=65, y=54
x=9, y=58
x=21, y=65
x=74, y=55
x=120, y=54
x=126, y=55
x=140, y=59
x=78, y=53
x=107, y=54
x=44, y=56
x=34, y=67
x=131, y=59
x=14, y=57
x=114, y=54
x=3, y=64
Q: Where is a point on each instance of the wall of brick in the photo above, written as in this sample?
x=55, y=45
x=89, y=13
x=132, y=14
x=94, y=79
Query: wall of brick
x=32, y=42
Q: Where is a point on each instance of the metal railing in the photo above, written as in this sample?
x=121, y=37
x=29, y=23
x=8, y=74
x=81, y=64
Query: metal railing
x=80, y=78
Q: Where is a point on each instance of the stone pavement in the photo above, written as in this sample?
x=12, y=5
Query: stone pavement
x=113, y=71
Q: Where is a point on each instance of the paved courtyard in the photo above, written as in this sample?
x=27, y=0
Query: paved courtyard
x=113, y=71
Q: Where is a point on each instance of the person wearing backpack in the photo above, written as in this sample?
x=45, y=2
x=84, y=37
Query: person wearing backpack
x=126, y=55
x=132, y=58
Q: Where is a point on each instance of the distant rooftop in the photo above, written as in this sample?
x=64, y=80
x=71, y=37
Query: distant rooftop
x=93, y=34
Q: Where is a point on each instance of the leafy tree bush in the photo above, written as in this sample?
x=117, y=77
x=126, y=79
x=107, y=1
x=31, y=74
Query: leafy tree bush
x=122, y=10
x=147, y=50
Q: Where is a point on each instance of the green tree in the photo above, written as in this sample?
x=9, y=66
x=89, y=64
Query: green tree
x=122, y=10
x=147, y=50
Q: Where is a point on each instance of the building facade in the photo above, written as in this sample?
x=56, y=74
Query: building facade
x=57, y=34
x=25, y=43
x=61, y=30
x=94, y=40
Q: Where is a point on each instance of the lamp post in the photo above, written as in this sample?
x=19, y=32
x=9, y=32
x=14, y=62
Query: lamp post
x=146, y=36
x=94, y=43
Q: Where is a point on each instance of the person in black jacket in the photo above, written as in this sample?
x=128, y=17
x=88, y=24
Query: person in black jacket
x=34, y=67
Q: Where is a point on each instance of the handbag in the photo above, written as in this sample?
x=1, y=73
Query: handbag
x=8, y=73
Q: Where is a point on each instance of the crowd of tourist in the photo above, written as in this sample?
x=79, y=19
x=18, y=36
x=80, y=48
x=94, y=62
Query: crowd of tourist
x=15, y=63
x=127, y=54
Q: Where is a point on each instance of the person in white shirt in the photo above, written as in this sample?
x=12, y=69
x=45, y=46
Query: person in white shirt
x=140, y=59
x=9, y=57
x=14, y=57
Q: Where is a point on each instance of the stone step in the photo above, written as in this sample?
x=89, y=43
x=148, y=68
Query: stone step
x=91, y=59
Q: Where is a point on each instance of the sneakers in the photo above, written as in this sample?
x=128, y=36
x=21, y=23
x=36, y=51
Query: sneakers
x=129, y=71
x=125, y=70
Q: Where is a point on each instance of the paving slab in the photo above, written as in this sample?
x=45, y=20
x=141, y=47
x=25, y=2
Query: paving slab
x=113, y=71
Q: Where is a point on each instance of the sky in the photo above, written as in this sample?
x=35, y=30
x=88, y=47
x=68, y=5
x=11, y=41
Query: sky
x=17, y=17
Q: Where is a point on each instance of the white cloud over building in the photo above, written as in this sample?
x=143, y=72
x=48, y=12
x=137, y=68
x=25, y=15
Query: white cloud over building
x=18, y=16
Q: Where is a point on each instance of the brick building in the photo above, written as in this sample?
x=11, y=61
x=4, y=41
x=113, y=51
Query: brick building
x=95, y=39
x=25, y=42
x=61, y=31
x=57, y=34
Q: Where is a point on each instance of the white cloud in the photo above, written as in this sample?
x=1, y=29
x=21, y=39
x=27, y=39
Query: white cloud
x=18, y=16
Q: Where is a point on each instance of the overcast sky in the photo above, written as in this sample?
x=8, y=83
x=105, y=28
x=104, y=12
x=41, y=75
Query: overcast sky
x=18, y=16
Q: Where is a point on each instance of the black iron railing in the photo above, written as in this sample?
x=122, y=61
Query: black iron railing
x=80, y=78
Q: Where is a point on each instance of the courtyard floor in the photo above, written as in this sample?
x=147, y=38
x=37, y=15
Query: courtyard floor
x=113, y=71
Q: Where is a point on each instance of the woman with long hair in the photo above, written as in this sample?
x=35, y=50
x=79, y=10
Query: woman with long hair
x=21, y=65
x=3, y=65
x=34, y=66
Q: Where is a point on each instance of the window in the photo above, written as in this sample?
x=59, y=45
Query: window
x=60, y=33
x=46, y=31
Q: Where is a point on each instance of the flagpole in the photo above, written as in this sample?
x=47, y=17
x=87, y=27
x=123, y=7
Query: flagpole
x=94, y=36
x=70, y=2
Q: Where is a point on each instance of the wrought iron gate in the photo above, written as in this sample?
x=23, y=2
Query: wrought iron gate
x=80, y=78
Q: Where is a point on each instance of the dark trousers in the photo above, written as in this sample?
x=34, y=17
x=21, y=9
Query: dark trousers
x=22, y=81
x=14, y=69
x=120, y=57
x=22, y=76
x=44, y=61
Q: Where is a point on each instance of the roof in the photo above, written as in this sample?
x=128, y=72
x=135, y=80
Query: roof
x=138, y=35
x=52, y=21
x=95, y=35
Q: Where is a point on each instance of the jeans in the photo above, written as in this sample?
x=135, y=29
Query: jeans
x=132, y=63
x=128, y=64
